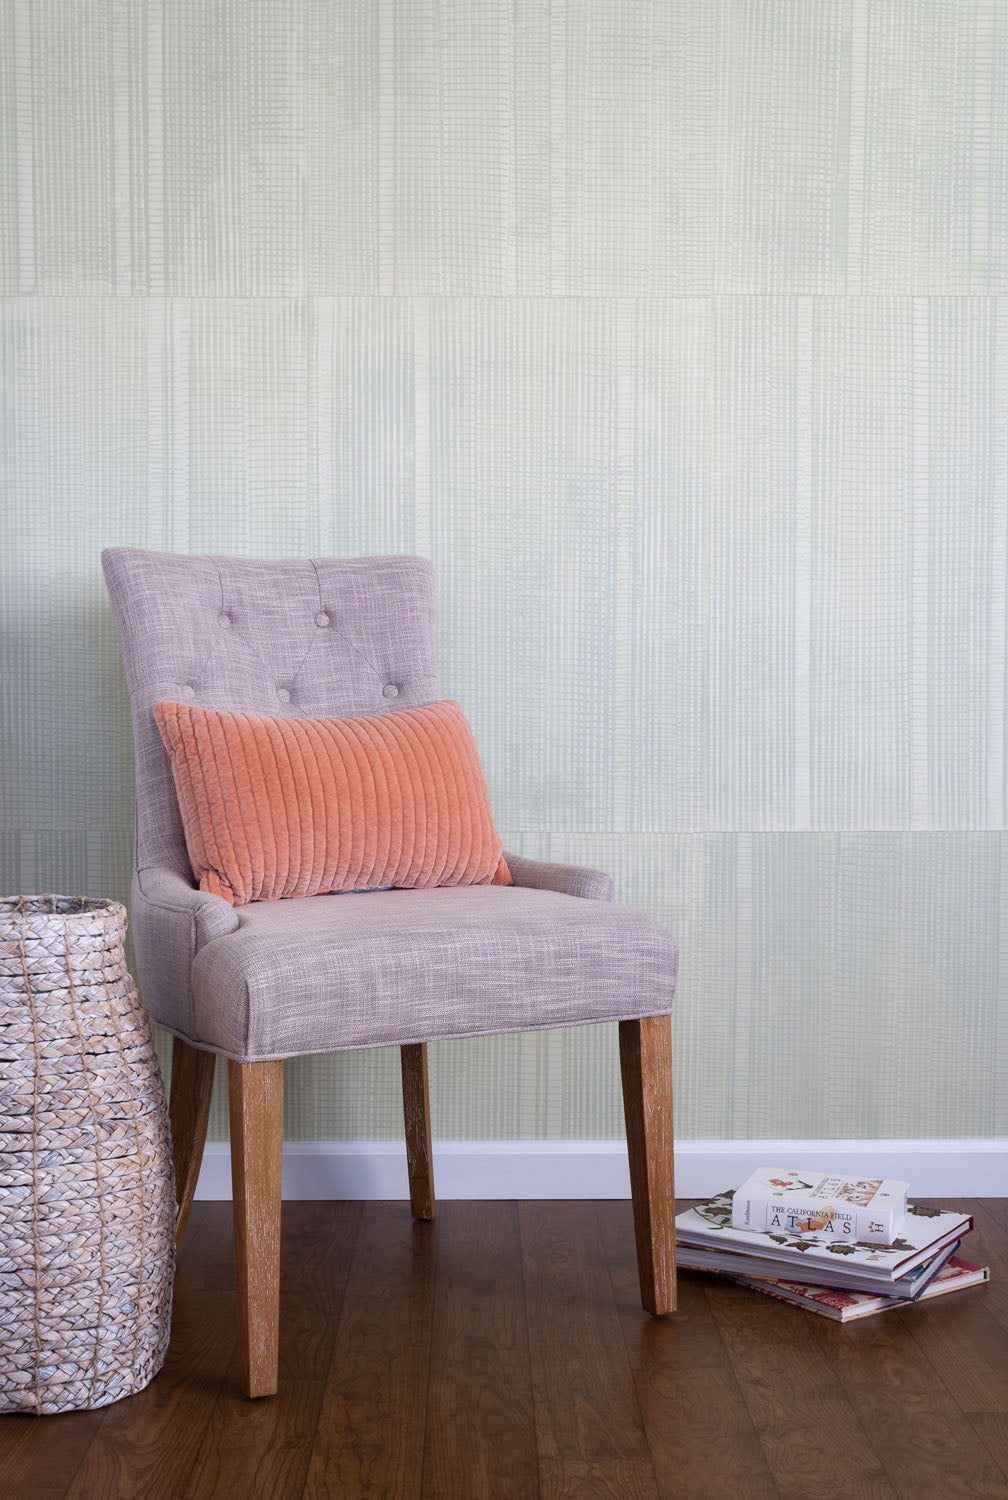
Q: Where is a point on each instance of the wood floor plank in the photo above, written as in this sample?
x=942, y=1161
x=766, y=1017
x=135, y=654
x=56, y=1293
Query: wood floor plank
x=206, y=1259
x=988, y=1246
x=370, y=1439
x=703, y=1443
x=807, y=1428
x=997, y=1208
x=963, y=1337
x=316, y=1257
x=569, y=1479
x=403, y=1352
x=586, y=1408
x=992, y=1431
x=40, y=1455
x=984, y=1308
x=147, y=1444
x=256, y=1448
x=480, y=1424
x=264, y=1448
x=927, y=1444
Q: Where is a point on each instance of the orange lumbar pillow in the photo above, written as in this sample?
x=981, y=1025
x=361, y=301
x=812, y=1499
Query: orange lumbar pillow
x=277, y=807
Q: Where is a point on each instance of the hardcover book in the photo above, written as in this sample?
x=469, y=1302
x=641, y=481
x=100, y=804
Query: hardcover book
x=857, y=1209
x=844, y=1305
x=844, y=1277
x=798, y=1255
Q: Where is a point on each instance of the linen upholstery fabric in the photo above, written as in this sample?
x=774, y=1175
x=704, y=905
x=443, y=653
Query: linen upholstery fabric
x=385, y=967
x=325, y=638
x=571, y=880
x=173, y=921
x=336, y=638
x=275, y=807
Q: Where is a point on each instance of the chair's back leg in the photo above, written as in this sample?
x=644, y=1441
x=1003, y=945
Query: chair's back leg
x=255, y=1097
x=192, y=1076
x=416, y=1112
x=646, y=1067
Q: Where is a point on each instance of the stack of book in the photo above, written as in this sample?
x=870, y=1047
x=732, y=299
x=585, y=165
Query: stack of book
x=839, y=1245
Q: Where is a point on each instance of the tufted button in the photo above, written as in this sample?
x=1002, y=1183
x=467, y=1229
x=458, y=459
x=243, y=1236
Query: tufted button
x=390, y=690
x=188, y=691
x=321, y=619
x=283, y=694
x=224, y=620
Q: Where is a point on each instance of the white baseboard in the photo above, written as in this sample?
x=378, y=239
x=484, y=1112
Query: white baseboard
x=598, y=1169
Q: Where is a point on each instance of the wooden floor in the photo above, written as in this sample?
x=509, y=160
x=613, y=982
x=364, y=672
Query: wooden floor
x=502, y=1352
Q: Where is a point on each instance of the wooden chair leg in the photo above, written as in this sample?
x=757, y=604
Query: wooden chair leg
x=192, y=1076
x=255, y=1097
x=646, y=1067
x=416, y=1111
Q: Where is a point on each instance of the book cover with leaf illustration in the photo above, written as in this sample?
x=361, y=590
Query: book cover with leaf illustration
x=924, y=1232
x=844, y=1306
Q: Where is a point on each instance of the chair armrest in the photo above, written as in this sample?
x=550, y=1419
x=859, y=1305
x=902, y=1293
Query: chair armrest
x=210, y=916
x=171, y=922
x=569, y=880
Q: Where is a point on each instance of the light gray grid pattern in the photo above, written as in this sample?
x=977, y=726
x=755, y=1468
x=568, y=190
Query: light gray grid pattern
x=675, y=333
x=573, y=148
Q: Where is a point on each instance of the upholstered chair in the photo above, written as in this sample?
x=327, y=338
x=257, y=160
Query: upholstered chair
x=397, y=967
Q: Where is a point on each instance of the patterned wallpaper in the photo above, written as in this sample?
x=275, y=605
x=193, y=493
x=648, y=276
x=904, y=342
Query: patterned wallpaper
x=676, y=333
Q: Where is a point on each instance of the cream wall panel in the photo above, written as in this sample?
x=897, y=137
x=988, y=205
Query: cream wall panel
x=416, y=143
x=249, y=382
x=527, y=522
x=74, y=112
x=782, y=128
x=665, y=435
x=881, y=949
x=355, y=1095
x=907, y=684
x=347, y=132
x=862, y=517
x=649, y=148
x=9, y=158
x=635, y=146
x=966, y=570
x=68, y=861
x=928, y=167
x=233, y=139
x=169, y=456
x=370, y=362
x=72, y=479
x=511, y=147
x=754, y=390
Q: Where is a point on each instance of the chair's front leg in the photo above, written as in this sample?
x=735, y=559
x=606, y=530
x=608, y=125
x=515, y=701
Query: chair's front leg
x=192, y=1076
x=646, y=1067
x=416, y=1113
x=255, y=1096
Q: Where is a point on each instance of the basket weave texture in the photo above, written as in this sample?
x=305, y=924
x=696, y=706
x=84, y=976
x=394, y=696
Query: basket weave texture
x=87, y=1194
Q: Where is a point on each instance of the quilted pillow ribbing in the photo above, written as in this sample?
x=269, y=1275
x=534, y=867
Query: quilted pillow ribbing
x=275, y=807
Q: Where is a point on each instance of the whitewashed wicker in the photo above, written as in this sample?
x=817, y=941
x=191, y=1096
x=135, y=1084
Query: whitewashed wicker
x=87, y=1201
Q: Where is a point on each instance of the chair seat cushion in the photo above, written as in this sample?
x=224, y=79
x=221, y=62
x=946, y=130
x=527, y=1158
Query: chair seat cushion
x=378, y=968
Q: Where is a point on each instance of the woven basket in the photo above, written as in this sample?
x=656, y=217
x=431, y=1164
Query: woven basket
x=87, y=1201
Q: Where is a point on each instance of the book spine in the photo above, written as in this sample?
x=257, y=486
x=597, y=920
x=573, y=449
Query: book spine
x=844, y=1221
